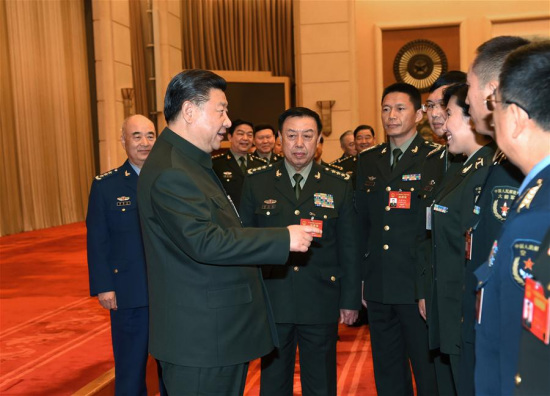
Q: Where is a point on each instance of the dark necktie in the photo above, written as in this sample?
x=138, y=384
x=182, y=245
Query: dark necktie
x=396, y=154
x=297, y=188
x=242, y=165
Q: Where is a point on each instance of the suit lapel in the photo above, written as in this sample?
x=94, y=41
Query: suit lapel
x=408, y=158
x=282, y=182
x=383, y=162
x=129, y=176
x=311, y=185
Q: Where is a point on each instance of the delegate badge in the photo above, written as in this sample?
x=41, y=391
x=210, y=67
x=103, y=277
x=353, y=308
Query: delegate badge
x=400, y=199
x=314, y=223
x=536, y=311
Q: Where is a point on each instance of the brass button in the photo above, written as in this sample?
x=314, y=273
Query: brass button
x=517, y=378
x=124, y=209
x=386, y=247
x=116, y=271
x=296, y=269
x=297, y=212
x=268, y=213
x=462, y=319
x=387, y=208
x=333, y=278
x=388, y=188
x=412, y=188
x=368, y=190
x=479, y=283
x=386, y=228
x=325, y=217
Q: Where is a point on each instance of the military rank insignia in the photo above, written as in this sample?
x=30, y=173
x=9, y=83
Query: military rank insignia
x=323, y=200
x=524, y=252
x=228, y=175
x=503, y=197
x=411, y=177
x=123, y=201
x=269, y=204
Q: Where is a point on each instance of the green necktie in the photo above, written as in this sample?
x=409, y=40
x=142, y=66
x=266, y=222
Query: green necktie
x=242, y=165
x=297, y=188
x=396, y=154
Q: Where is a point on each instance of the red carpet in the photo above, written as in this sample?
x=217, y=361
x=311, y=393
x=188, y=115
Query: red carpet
x=54, y=339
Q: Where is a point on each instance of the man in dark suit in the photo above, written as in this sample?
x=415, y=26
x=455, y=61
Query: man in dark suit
x=209, y=309
x=232, y=165
x=388, y=198
x=116, y=260
x=316, y=290
x=264, y=140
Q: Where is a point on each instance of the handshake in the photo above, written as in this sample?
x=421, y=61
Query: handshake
x=301, y=237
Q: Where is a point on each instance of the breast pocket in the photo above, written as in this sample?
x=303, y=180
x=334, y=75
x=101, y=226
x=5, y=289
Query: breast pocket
x=124, y=218
x=268, y=217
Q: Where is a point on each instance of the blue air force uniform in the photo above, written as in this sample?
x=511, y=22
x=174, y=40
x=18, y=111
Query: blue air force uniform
x=501, y=280
x=116, y=262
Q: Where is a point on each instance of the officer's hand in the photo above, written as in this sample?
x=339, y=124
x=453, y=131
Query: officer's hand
x=348, y=316
x=108, y=300
x=301, y=237
x=422, y=308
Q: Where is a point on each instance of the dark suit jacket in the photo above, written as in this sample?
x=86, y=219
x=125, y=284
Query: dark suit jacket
x=390, y=235
x=458, y=197
x=116, y=260
x=208, y=303
x=317, y=284
x=229, y=172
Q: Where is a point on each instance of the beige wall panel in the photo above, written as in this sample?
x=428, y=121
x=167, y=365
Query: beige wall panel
x=101, y=34
x=101, y=9
x=174, y=30
x=102, y=132
x=325, y=67
x=123, y=79
x=323, y=11
x=329, y=37
x=121, y=44
x=174, y=7
x=338, y=91
x=120, y=12
x=100, y=93
x=530, y=29
x=175, y=62
x=341, y=122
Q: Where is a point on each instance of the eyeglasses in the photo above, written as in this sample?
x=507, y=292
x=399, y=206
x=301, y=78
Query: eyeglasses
x=431, y=106
x=491, y=101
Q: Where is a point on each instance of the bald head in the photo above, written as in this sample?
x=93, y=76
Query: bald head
x=138, y=136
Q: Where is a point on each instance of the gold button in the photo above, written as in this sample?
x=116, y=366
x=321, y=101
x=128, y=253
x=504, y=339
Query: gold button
x=296, y=269
x=479, y=283
x=368, y=190
x=297, y=212
x=412, y=188
x=116, y=271
x=124, y=210
x=333, y=278
x=388, y=188
x=462, y=320
x=325, y=216
x=268, y=213
x=387, y=208
x=386, y=228
x=386, y=247
x=517, y=378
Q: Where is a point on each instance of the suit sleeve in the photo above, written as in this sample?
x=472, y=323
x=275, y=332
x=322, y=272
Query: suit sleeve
x=348, y=253
x=97, y=239
x=198, y=225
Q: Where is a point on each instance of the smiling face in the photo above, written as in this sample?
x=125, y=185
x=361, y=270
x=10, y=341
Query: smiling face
x=138, y=137
x=241, y=139
x=399, y=117
x=299, y=139
x=364, y=139
x=436, y=111
x=458, y=130
x=264, y=140
x=481, y=116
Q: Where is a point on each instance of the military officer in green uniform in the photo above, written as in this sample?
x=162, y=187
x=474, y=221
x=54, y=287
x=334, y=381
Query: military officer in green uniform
x=317, y=289
x=389, y=199
x=232, y=165
x=264, y=141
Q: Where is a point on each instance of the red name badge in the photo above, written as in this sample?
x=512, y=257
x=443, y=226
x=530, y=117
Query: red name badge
x=468, y=246
x=400, y=200
x=313, y=223
x=536, y=312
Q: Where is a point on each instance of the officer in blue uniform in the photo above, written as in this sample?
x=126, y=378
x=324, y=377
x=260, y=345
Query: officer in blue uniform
x=116, y=259
x=520, y=113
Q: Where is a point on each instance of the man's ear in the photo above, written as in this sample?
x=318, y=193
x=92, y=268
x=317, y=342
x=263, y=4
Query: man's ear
x=492, y=86
x=188, y=110
x=419, y=115
x=520, y=120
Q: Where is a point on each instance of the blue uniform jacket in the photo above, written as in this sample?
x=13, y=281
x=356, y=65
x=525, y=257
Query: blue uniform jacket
x=116, y=258
x=502, y=277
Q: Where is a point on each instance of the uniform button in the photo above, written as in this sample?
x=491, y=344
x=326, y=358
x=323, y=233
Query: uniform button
x=368, y=190
x=116, y=271
x=412, y=188
x=325, y=217
x=297, y=212
x=333, y=278
x=386, y=228
x=124, y=210
x=479, y=283
x=517, y=378
x=462, y=320
x=387, y=208
x=386, y=247
x=268, y=213
x=388, y=188
x=296, y=269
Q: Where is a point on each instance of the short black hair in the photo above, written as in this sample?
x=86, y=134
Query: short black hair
x=239, y=122
x=300, y=112
x=451, y=77
x=491, y=55
x=460, y=92
x=361, y=127
x=410, y=90
x=524, y=79
x=261, y=127
x=192, y=85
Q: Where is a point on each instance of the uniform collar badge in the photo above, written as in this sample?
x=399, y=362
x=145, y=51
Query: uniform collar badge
x=278, y=173
x=465, y=170
x=384, y=151
x=318, y=175
x=414, y=150
x=126, y=173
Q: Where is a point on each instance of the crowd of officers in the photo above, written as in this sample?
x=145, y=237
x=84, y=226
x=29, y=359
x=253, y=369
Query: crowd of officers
x=446, y=246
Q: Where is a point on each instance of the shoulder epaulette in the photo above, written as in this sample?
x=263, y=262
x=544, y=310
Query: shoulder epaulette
x=260, y=169
x=499, y=157
x=218, y=155
x=339, y=160
x=331, y=171
x=338, y=167
x=371, y=148
x=435, y=150
x=107, y=174
x=259, y=158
